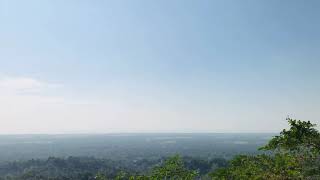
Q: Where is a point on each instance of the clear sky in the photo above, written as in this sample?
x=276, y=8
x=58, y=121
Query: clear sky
x=99, y=66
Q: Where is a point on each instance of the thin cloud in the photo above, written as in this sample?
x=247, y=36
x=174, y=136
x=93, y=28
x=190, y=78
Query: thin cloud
x=24, y=85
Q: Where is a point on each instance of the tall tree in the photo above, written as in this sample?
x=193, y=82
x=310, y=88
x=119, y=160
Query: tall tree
x=294, y=154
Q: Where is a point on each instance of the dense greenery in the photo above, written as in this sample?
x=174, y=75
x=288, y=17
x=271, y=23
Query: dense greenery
x=89, y=168
x=294, y=154
x=57, y=168
x=172, y=168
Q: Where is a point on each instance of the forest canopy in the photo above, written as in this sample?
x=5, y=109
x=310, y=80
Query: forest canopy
x=293, y=154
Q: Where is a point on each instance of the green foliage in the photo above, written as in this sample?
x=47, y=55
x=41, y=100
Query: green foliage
x=100, y=176
x=302, y=136
x=89, y=168
x=294, y=155
x=173, y=168
x=259, y=167
x=80, y=168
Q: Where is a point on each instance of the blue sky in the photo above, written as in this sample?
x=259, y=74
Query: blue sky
x=158, y=66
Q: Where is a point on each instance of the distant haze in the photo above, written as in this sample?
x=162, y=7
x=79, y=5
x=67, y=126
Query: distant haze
x=158, y=66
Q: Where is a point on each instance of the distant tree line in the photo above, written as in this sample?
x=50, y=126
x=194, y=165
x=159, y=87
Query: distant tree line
x=90, y=168
x=293, y=154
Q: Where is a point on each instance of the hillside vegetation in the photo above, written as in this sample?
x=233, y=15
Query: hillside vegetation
x=293, y=154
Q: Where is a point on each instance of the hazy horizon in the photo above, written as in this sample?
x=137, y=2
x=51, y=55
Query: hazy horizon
x=130, y=133
x=143, y=66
